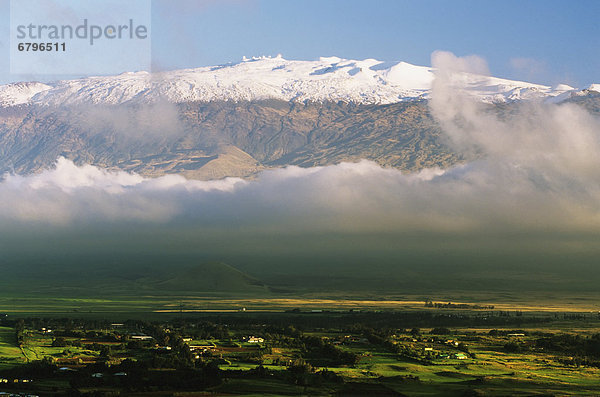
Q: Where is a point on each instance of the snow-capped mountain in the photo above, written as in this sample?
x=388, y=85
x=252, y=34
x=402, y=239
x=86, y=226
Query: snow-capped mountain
x=20, y=93
x=328, y=79
x=220, y=127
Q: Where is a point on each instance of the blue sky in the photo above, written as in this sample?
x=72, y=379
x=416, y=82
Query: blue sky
x=543, y=41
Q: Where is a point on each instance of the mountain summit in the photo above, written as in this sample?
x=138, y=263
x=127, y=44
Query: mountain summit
x=332, y=79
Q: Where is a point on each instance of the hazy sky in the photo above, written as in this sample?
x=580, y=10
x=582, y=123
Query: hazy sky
x=544, y=41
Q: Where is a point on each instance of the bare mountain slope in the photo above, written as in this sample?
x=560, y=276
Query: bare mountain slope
x=218, y=139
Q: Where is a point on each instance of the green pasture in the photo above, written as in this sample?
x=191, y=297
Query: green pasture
x=10, y=354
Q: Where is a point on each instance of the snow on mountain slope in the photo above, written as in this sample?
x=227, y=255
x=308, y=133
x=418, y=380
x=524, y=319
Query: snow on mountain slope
x=594, y=87
x=328, y=79
x=20, y=93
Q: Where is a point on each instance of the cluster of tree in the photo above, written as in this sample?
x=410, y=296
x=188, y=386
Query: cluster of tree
x=323, y=353
x=174, y=361
x=505, y=332
x=451, y=305
x=583, y=350
x=383, y=338
x=60, y=342
x=441, y=331
x=300, y=372
x=180, y=355
x=67, y=324
x=516, y=347
x=44, y=368
x=140, y=377
x=206, y=330
x=211, y=326
x=19, y=333
x=304, y=374
x=576, y=345
x=579, y=361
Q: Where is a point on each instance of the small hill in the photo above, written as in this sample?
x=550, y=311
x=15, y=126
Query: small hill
x=207, y=277
x=153, y=278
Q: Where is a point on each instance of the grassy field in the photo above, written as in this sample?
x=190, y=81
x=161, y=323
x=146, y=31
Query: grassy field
x=123, y=307
x=10, y=353
x=38, y=346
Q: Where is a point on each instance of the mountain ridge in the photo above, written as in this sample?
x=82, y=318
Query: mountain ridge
x=219, y=139
x=332, y=79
